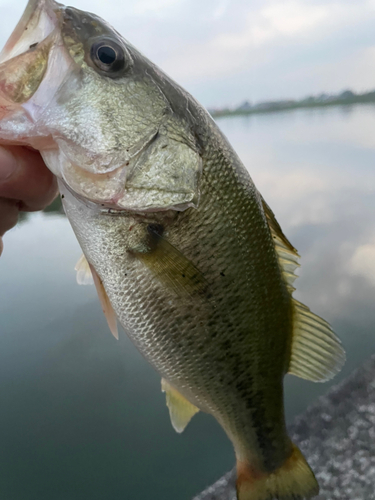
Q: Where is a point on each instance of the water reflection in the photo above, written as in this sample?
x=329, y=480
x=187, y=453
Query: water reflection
x=82, y=415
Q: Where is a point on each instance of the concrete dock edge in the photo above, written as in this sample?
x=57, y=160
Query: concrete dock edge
x=337, y=436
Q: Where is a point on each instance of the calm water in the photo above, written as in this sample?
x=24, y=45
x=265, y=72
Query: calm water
x=82, y=415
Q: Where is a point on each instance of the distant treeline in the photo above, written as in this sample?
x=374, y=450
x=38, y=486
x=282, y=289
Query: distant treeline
x=246, y=108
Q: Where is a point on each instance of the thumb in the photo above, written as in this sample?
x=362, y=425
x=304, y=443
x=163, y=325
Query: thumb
x=25, y=178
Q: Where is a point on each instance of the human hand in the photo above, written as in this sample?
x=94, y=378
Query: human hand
x=26, y=185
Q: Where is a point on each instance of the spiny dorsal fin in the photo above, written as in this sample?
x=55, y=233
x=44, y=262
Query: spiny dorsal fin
x=181, y=410
x=317, y=354
x=84, y=275
x=287, y=254
x=275, y=227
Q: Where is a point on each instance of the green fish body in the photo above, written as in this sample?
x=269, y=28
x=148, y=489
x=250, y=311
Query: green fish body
x=184, y=251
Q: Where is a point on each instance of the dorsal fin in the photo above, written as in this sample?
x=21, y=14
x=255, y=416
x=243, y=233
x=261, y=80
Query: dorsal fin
x=287, y=254
x=316, y=354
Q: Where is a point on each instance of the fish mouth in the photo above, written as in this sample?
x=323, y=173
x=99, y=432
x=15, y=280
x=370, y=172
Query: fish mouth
x=39, y=19
x=26, y=56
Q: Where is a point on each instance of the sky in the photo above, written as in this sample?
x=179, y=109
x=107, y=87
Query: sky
x=228, y=51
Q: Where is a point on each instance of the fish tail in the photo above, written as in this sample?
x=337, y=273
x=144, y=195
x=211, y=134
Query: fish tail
x=294, y=480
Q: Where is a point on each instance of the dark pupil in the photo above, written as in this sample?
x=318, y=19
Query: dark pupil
x=107, y=55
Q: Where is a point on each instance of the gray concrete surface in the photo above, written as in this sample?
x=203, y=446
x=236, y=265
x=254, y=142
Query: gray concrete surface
x=337, y=436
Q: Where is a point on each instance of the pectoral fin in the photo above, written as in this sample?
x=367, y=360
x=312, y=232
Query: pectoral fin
x=181, y=410
x=105, y=303
x=170, y=266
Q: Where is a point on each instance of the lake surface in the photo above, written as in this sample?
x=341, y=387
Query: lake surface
x=82, y=415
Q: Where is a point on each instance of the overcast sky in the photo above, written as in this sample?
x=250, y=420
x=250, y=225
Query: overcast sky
x=226, y=51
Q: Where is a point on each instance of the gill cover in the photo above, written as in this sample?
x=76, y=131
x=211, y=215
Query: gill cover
x=101, y=114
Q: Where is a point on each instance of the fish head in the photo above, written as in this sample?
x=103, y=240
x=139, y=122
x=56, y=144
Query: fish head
x=108, y=123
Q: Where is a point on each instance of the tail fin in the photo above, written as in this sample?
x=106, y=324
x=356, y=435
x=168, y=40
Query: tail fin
x=294, y=480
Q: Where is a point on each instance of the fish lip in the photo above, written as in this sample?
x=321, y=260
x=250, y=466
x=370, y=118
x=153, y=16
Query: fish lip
x=39, y=20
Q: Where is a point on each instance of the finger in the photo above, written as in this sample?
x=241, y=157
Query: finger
x=9, y=210
x=25, y=178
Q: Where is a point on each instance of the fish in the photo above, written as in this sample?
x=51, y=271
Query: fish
x=184, y=251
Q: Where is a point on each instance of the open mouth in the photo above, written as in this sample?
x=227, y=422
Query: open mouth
x=33, y=64
x=37, y=22
x=25, y=58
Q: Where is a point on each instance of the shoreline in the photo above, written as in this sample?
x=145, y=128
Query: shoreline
x=277, y=107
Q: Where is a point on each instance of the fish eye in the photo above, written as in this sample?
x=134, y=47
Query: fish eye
x=106, y=55
x=109, y=56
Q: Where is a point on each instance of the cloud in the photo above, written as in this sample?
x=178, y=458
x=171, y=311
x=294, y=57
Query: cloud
x=221, y=8
x=362, y=263
x=160, y=8
x=234, y=48
x=293, y=17
x=287, y=19
x=277, y=50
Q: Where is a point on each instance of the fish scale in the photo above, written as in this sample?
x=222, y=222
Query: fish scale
x=172, y=329
x=183, y=250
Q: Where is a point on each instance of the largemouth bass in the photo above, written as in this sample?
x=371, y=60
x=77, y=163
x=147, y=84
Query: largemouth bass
x=184, y=251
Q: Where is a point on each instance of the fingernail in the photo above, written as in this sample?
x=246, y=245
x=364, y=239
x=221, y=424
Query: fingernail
x=7, y=164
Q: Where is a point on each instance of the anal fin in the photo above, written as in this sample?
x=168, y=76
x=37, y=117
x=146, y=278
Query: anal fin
x=317, y=353
x=181, y=410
